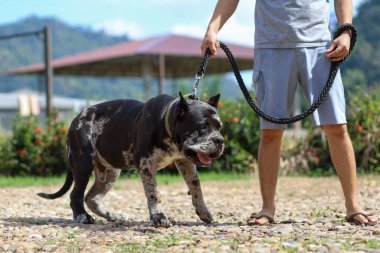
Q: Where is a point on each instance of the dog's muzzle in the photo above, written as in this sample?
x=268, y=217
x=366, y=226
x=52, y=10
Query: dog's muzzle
x=205, y=151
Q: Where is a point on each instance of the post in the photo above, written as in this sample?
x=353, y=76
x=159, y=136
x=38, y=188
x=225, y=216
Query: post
x=161, y=73
x=147, y=77
x=48, y=70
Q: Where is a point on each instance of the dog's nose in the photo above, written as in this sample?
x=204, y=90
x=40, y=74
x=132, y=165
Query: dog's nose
x=218, y=140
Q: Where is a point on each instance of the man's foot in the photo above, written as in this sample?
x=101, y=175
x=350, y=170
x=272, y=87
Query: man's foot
x=362, y=218
x=260, y=219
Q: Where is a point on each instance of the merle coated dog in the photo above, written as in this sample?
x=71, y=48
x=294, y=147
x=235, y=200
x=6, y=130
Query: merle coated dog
x=127, y=134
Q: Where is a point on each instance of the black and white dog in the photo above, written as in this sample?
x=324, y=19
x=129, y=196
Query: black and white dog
x=127, y=134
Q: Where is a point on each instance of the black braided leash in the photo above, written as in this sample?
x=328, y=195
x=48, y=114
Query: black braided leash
x=333, y=71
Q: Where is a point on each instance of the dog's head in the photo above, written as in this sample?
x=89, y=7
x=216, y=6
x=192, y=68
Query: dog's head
x=197, y=130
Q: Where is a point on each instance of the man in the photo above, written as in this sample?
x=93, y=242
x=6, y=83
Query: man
x=292, y=44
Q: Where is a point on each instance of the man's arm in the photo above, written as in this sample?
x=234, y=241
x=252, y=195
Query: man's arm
x=222, y=12
x=340, y=47
x=343, y=11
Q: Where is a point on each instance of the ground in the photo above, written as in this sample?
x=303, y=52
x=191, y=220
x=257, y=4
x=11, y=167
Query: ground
x=310, y=217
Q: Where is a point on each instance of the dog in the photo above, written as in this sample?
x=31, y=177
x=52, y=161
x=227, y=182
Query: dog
x=128, y=134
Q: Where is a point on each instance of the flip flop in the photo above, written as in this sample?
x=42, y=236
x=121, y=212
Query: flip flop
x=351, y=219
x=254, y=216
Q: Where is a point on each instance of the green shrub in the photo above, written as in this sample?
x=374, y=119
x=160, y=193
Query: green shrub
x=241, y=135
x=363, y=116
x=364, y=128
x=34, y=150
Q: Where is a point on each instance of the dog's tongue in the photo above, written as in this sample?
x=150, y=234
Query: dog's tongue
x=203, y=158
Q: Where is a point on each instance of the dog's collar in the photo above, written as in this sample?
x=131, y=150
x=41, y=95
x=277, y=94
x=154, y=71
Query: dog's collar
x=166, y=117
x=167, y=112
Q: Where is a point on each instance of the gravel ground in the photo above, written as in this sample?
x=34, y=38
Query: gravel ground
x=310, y=217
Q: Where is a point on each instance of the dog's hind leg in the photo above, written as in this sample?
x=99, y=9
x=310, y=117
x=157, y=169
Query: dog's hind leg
x=94, y=197
x=189, y=173
x=81, y=174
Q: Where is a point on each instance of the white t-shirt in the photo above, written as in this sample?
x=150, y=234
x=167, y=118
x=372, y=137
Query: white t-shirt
x=292, y=23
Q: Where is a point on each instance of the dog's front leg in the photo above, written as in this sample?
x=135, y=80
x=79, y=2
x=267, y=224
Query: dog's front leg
x=148, y=174
x=189, y=173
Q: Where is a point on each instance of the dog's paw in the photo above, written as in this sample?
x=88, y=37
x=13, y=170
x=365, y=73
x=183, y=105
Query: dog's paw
x=117, y=217
x=160, y=220
x=84, y=218
x=205, y=215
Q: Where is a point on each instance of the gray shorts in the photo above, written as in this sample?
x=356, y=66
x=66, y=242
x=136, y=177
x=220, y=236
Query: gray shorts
x=276, y=73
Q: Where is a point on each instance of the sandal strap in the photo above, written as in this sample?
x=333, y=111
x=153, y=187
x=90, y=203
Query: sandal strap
x=351, y=216
x=259, y=216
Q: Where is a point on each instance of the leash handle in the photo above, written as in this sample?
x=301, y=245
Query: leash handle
x=333, y=71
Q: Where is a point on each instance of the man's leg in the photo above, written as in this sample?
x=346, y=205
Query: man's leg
x=343, y=157
x=275, y=82
x=269, y=163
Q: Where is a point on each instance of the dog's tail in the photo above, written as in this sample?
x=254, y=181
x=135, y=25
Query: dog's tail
x=66, y=186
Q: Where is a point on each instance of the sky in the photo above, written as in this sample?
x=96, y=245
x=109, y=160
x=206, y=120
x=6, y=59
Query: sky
x=139, y=18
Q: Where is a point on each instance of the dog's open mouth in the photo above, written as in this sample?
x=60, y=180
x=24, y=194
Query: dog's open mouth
x=200, y=158
x=204, y=159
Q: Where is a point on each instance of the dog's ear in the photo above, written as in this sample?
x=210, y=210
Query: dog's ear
x=213, y=101
x=182, y=106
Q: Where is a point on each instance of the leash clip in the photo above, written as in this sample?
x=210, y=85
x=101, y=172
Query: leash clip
x=195, y=86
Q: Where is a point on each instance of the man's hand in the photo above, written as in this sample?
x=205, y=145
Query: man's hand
x=210, y=41
x=340, y=47
x=222, y=12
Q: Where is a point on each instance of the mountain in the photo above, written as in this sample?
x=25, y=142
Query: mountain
x=66, y=40
x=361, y=69
x=363, y=66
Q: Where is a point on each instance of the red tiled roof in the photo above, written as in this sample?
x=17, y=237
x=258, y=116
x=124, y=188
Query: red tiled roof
x=174, y=47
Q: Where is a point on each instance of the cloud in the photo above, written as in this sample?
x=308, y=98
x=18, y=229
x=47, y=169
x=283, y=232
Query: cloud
x=238, y=29
x=119, y=27
x=194, y=30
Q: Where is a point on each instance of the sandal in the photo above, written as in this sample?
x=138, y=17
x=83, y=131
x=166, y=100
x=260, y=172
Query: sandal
x=255, y=216
x=351, y=219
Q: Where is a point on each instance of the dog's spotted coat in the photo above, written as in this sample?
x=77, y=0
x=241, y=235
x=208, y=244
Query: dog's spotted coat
x=128, y=134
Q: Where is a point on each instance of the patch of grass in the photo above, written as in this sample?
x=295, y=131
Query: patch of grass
x=153, y=245
x=223, y=176
x=129, y=247
x=24, y=181
x=267, y=241
x=346, y=246
x=318, y=211
x=74, y=247
x=170, y=240
x=230, y=243
x=291, y=249
x=69, y=234
x=30, y=181
x=373, y=244
x=49, y=242
x=291, y=194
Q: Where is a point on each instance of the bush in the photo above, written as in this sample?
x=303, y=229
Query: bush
x=364, y=129
x=363, y=116
x=34, y=150
x=241, y=134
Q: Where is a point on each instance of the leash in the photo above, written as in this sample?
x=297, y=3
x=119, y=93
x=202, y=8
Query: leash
x=333, y=71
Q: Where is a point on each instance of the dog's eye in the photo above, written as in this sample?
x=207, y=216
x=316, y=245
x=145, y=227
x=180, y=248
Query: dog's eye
x=205, y=126
x=203, y=129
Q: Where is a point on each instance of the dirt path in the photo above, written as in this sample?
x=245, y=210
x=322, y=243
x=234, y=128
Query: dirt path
x=315, y=206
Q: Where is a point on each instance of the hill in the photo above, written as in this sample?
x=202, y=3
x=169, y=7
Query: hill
x=66, y=40
x=363, y=66
x=361, y=69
